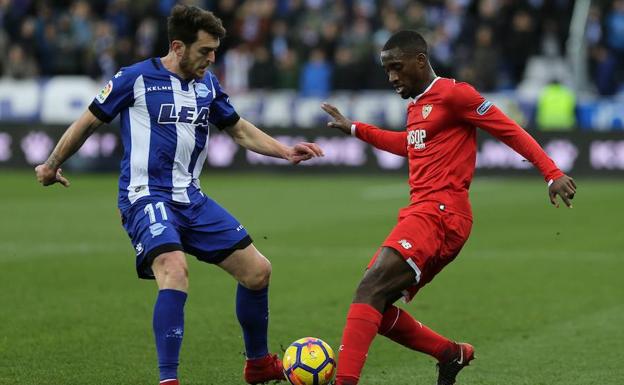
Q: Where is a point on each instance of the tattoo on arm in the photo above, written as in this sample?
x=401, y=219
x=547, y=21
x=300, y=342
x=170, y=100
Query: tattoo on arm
x=53, y=161
x=71, y=141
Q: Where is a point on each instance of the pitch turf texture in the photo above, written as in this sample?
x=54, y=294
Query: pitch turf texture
x=538, y=291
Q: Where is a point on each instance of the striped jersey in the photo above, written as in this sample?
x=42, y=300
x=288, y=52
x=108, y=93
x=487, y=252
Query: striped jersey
x=164, y=123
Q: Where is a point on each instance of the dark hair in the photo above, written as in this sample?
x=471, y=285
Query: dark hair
x=185, y=21
x=408, y=41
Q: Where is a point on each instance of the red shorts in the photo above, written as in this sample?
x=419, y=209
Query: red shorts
x=428, y=237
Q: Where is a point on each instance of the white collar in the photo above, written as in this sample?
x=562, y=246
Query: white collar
x=415, y=99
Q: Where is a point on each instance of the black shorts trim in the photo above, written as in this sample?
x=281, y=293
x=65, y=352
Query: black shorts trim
x=144, y=270
x=219, y=256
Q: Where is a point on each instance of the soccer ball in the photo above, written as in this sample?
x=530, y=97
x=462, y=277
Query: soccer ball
x=309, y=361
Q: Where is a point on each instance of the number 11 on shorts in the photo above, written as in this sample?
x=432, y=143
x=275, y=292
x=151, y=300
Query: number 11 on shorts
x=149, y=210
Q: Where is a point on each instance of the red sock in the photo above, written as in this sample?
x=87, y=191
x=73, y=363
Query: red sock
x=362, y=325
x=401, y=327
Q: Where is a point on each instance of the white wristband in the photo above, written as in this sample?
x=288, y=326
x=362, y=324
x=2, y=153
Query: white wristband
x=353, y=129
x=550, y=182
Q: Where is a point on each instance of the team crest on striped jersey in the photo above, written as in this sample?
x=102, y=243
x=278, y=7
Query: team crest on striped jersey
x=426, y=110
x=201, y=90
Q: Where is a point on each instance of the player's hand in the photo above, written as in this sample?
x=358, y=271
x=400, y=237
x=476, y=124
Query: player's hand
x=303, y=151
x=340, y=122
x=564, y=187
x=47, y=176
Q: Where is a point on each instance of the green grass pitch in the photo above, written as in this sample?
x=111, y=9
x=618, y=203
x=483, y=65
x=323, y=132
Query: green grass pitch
x=538, y=291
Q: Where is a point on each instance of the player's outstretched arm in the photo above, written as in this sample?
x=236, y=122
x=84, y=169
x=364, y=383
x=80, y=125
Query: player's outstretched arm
x=563, y=186
x=340, y=122
x=50, y=172
x=390, y=141
x=252, y=138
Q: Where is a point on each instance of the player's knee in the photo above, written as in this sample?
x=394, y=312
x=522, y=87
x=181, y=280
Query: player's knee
x=177, y=274
x=260, y=277
x=366, y=291
x=371, y=289
x=171, y=271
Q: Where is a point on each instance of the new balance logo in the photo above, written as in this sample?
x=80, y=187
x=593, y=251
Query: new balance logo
x=406, y=245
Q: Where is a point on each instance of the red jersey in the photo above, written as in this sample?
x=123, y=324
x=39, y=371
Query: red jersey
x=440, y=142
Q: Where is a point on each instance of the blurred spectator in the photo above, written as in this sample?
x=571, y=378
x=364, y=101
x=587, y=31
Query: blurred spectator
x=347, y=73
x=146, y=37
x=550, y=40
x=415, y=16
x=328, y=41
x=488, y=42
x=280, y=41
x=67, y=53
x=441, y=52
x=103, y=46
x=593, y=29
x=119, y=15
x=615, y=27
x=253, y=23
x=262, y=71
x=358, y=37
x=603, y=70
x=19, y=64
x=287, y=76
x=226, y=11
x=236, y=64
x=27, y=38
x=485, y=61
x=520, y=44
x=615, y=38
x=81, y=23
x=316, y=75
x=555, y=108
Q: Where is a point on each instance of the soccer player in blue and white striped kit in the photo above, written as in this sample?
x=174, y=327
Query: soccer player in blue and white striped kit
x=165, y=106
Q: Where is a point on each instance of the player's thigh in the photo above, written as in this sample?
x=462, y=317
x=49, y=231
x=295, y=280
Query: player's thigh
x=248, y=266
x=387, y=277
x=212, y=233
x=153, y=228
x=457, y=229
x=417, y=238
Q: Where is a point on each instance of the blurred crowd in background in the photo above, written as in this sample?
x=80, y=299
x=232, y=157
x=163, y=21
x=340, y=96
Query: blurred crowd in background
x=313, y=46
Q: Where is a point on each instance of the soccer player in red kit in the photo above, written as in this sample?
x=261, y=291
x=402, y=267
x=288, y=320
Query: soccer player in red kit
x=440, y=144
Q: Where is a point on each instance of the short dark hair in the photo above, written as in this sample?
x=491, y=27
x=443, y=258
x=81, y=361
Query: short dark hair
x=408, y=41
x=185, y=21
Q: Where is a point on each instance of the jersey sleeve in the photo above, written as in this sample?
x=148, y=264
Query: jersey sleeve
x=474, y=109
x=391, y=141
x=222, y=113
x=116, y=95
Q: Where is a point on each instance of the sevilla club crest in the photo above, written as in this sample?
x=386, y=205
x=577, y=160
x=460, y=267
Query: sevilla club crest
x=426, y=110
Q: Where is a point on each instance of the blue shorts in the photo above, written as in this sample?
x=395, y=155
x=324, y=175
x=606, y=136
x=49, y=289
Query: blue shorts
x=202, y=228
